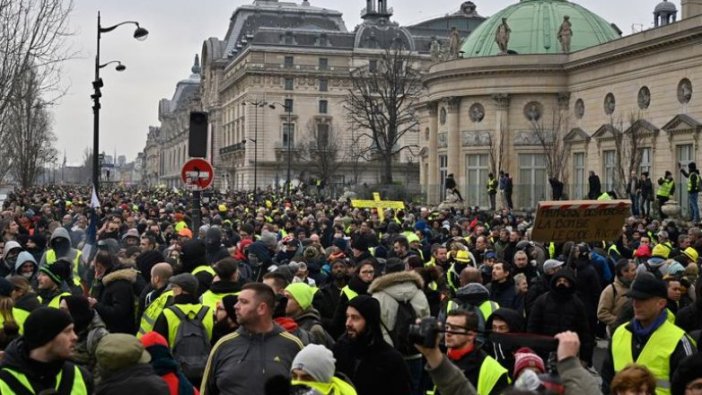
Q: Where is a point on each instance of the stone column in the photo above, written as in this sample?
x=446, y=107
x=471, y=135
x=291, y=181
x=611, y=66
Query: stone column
x=502, y=143
x=433, y=182
x=454, y=137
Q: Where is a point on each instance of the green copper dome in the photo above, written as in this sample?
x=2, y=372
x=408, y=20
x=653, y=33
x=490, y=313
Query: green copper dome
x=534, y=26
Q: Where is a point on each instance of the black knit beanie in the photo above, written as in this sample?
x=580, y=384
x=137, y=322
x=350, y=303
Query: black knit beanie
x=43, y=325
x=369, y=308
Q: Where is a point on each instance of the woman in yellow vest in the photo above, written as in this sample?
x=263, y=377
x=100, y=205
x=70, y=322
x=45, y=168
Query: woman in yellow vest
x=8, y=324
x=25, y=300
x=313, y=367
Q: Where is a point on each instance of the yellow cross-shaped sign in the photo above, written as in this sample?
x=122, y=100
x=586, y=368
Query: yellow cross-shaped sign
x=378, y=204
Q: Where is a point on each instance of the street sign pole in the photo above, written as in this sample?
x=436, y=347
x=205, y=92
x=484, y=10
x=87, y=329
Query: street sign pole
x=195, y=214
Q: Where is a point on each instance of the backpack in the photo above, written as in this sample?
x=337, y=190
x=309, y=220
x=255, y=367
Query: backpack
x=192, y=345
x=405, y=317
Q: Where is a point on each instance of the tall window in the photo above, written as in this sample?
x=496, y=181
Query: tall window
x=323, y=63
x=683, y=155
x=476, y=179
x=323, y=106
x=322, y=135
x=578, y=175
x=532, y=180
x=610, y=169
x=289, y=84
x=289, y=60
x=645, y=160
x=289, y=105
x=443, y=172
x=288, y=135
x=323, y=85
x=373, y=65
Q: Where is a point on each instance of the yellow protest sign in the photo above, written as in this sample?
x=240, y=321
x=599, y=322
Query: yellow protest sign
x=381, y=205
x=580, y=220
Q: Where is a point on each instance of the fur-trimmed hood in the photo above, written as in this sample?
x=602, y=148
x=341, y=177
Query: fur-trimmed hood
x=400, y=285
x=127, y=273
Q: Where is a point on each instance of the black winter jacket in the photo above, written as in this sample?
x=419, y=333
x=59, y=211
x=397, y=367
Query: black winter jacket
x=116, y=300
x=689, y=318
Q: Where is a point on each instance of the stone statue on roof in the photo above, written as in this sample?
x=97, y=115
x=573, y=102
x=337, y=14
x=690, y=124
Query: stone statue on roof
x=502, y=36
x=435, y=50
x=565, y=33
x=454, y=43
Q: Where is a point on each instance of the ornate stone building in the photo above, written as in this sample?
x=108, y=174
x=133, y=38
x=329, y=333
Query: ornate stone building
x=172, y=136
x=278, y=54
x=530, y=77
x=152, y=157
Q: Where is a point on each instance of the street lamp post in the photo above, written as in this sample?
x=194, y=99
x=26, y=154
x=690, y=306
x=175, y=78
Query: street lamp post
x=257, y=104
x=140, y=34
x=288, y=109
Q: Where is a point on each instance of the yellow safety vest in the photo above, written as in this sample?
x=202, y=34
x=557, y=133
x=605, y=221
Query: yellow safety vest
x=77, y=388
x=664, y=190
x=492, y=185
x=152, y=311
x=55, y=302
x=604, y=196
x=210, y=299
x=337, y=386
x=51, y=258
x=204, y=268
x=489, y=375
x=689, y=182
x=350, y=293
x=20, y=316
x=655, y=354
x=486, y=308
x=190, y=310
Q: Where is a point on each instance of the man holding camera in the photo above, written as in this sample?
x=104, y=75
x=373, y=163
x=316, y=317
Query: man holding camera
x=483, y=371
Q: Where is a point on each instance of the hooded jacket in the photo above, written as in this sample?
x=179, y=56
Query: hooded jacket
x=241, y=362
x=368, y=357
x=612, y=303
x=393, y=289
x=311, y=321
x=69, y=254
x=41, y=375
x=213, y=243
x=194, y=255
x=116, y=300
x=22, y=258
x=561, y=310
x=338, y=321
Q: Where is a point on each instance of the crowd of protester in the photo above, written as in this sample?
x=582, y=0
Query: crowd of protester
x=277, y=294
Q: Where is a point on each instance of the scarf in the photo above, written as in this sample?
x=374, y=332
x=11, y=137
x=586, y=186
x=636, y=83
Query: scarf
x=454, y=354
x=642, y=333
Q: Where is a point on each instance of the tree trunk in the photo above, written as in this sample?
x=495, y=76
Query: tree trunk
x=386, y=178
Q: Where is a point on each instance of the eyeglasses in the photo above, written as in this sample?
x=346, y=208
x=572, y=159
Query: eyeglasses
x=456, y=330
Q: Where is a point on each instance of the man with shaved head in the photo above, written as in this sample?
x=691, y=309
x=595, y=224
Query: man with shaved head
x=470, y=275
x=156, y=297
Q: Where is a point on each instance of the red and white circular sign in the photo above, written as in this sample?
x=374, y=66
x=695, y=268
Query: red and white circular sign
x=197, y=174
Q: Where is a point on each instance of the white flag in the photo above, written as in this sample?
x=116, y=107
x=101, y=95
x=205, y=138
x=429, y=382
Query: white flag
x=94, y=201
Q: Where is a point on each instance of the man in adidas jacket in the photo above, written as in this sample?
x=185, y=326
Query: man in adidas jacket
x=241, y=362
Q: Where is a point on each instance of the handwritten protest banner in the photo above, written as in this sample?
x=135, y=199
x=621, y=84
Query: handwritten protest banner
x=580, y=220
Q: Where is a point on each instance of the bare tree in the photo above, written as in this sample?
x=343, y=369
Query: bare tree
x=32, y=41
x=552, y=140
x=628, y=150
x=381, y=103
x=29, y=138
x=497, y=150
x=322, y=151
x=87, y=166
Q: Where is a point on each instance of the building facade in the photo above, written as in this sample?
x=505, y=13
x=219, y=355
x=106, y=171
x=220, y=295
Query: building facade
x=559, y=97
x=279, y=56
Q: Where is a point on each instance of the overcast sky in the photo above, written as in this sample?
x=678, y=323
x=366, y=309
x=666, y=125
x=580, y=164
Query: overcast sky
x=177, y=29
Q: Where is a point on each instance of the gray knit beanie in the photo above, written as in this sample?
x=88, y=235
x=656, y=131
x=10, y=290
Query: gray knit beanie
x=317, y=361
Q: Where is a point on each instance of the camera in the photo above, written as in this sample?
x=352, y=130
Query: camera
x=424, y=333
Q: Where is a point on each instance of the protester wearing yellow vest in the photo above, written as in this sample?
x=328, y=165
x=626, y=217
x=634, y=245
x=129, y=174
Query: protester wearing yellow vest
x=184, y=287
x=44, y=352
x=61, y=249
x=650, y=339
x=313, y=367
x=51, y=285
x=666, y=189
x=693, y=190
x=225, y=283
x=492, y=190
x=483, y=371
x=156, y=300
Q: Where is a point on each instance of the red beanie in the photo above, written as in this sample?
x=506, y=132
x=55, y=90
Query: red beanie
x=153, y=339
x=526, y=358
